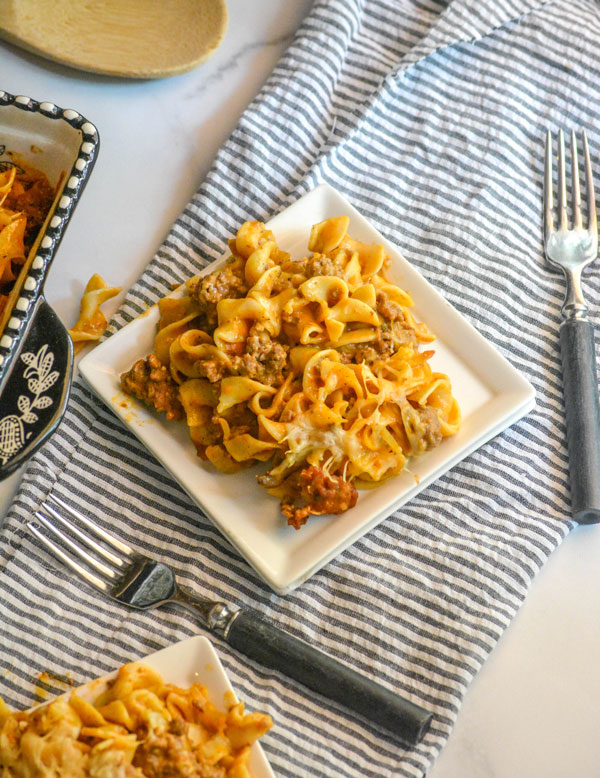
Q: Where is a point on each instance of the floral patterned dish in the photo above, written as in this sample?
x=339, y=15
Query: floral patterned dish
x=36, y=354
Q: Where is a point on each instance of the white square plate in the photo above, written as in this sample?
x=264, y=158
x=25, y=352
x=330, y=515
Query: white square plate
x=492, y=395
x=185, y=663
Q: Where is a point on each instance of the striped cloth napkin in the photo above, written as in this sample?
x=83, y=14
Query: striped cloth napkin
x=429, y=117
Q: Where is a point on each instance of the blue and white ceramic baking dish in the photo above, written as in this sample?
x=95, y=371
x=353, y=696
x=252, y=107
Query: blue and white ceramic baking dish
x=36, y=354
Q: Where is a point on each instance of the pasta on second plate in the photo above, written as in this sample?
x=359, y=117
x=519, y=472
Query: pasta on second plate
x=139, y=727
x=313, y=365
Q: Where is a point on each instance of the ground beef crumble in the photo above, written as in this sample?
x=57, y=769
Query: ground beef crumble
x=388, y=309
x=214, y=369
x=316, y=492
x=151, y=382
x=322, y=265
x=168, y=755
x=264, y=359
x=390, y=336
x=226, y=284
x=432, y=436
x=282, y=282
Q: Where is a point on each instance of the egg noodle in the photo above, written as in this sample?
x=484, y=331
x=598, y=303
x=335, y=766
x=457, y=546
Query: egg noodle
x=313, y=365
x=138, y=727
x=91, y=324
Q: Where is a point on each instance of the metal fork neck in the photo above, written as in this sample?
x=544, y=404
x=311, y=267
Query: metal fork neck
x=216, y=616
x=574, y=306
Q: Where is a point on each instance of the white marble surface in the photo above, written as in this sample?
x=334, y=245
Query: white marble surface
x=534, y=710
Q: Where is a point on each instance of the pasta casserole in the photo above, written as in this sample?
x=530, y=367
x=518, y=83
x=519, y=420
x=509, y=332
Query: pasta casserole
x=313, y=365
x=138, y=727
x=25, y=199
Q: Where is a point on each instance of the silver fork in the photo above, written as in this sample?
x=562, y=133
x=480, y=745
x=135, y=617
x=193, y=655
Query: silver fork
x=573, y=249
x=135, y=580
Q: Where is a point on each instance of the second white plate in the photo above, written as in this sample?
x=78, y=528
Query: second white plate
x=183, y=664
x=492, y=395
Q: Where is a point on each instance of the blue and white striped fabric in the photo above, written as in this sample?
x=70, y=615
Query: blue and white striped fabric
x=429, y=117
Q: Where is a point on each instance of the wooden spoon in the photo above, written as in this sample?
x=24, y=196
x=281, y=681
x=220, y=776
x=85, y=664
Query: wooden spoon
x=125, y=38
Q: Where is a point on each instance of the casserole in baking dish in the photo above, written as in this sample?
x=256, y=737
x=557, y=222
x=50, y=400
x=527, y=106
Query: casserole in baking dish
x=36, y=354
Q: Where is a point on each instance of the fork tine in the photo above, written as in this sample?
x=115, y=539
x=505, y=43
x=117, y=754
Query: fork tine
x=576, y=194
x=548, y=199
x=78, y=550
x=88, y=541
x=562, y=183
x=98, y=531
x=592, y=220
x=72, y=563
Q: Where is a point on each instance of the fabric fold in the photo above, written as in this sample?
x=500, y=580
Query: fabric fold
x=465, y=21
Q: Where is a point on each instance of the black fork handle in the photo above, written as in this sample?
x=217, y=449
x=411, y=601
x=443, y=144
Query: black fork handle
x=252, y=635
x=580, y=386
